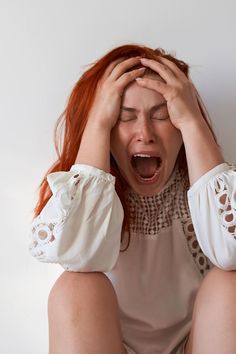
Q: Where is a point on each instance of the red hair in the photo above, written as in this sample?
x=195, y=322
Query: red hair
x=73, y=120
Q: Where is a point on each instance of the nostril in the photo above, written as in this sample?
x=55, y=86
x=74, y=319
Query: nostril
x=146, y=140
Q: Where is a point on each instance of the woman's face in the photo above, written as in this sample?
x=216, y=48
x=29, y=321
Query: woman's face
x=144, y=142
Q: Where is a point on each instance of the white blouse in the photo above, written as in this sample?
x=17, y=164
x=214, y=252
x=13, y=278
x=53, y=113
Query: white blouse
x=156, y=279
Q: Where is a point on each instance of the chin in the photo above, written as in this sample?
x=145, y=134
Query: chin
x=147, y=191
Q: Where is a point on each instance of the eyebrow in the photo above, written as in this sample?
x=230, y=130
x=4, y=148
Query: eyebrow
x=153, y=109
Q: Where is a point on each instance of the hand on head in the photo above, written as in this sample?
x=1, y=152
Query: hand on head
x=177, y=90
x=116, y=78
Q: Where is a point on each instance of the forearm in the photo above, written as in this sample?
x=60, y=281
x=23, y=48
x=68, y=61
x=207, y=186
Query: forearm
x=95, y=146
x=201, y=149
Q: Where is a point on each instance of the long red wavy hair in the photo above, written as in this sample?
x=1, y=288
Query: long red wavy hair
x=73, y=120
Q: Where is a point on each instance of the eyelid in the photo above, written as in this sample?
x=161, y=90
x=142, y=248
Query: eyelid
x=162, y=115
x=160, y=118
x=126, y=119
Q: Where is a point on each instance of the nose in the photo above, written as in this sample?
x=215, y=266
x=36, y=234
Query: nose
x=145, y=132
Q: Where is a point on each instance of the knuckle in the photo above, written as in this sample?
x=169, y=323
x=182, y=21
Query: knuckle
x=158, y=83
x=100, y=84
x=117, y=87
x=179, y=87
x=166, y=69
x=186, y=86
x=175, y=92
x=129, y=74
x=107, y=85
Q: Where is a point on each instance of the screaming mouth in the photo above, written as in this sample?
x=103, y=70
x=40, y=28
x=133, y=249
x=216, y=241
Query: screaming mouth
x=146, y=166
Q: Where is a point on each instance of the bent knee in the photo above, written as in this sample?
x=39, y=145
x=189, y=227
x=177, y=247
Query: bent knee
x=218, y=283
x=217, y=276
x=74, y=289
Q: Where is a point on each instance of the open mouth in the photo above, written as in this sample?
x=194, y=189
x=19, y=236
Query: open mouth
x=146, y=167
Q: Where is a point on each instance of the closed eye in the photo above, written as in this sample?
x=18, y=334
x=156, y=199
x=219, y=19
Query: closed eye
x=126, y=117
x=161, y=113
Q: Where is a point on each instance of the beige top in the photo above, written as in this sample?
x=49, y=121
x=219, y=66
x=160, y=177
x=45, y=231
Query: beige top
x=157, y=277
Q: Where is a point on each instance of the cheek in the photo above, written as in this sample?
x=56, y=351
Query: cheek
x=117, y=145
x=178, y=140
x=119, y=138
x=173, y=140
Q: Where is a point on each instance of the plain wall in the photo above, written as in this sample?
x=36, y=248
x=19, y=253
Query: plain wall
x=45, y=46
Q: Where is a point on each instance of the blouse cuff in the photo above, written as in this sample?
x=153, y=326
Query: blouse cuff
x=89, y=170
x=203, y=180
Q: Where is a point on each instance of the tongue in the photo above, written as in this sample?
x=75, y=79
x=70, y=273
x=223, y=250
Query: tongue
x=146, y=166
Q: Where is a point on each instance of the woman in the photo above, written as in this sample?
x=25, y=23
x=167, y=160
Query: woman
x=142, y=218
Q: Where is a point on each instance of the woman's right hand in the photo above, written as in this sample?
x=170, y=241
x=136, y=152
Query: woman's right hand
x=106, y=106
x=105, y=111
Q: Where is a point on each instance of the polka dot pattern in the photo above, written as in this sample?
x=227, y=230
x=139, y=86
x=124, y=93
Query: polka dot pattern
x=202, y=262
x=226, y=205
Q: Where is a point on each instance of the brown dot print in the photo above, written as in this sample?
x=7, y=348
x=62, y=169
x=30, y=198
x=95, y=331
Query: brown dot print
x=190, y=228
x=201, y=260
x=42, y=234
x=195, y=244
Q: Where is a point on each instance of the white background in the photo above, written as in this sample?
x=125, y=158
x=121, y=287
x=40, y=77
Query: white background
x=44, y=47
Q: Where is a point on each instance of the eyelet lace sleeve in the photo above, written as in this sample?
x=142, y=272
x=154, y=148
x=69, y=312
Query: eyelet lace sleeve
x=226, y=204
x=80, y=226
x=212, y=203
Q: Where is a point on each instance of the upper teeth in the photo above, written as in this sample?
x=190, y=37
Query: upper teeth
x=141, y=155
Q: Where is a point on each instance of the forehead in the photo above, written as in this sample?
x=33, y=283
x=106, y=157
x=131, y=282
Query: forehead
x=137, y=96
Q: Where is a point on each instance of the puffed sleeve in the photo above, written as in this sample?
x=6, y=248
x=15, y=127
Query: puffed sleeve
x=80, y=226
x=212, y=203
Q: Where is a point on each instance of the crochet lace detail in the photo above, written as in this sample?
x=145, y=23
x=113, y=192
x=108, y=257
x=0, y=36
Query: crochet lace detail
x=226, y=205
x=43, y=233
x=150, y=214
x=200, y=259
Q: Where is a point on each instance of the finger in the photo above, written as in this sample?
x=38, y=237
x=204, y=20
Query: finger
x=164, y=71
x=130, y=76
x=153, y=84
x=122, y=67
x=111, y=67
x=173, y=67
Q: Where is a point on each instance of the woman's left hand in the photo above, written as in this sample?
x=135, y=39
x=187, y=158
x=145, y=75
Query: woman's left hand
x=177, y=89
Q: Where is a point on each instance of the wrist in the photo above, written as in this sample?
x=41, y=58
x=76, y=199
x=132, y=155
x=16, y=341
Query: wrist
x=94, y=122
x=193, y=125
x=202, y=151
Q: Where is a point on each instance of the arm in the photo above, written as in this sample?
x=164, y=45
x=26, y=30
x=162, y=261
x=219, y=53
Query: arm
x=202, y=152
x=212, y=197
x=80, y=226
x=212, y=203
x=95, y=145
x=201, y=149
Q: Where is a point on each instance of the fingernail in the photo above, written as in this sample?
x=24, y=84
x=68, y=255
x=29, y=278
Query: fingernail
x=139, y=79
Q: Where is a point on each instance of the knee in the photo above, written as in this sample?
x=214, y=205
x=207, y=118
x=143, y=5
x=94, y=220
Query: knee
x=74, y=290
x=218, y=287
x=219, y=279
